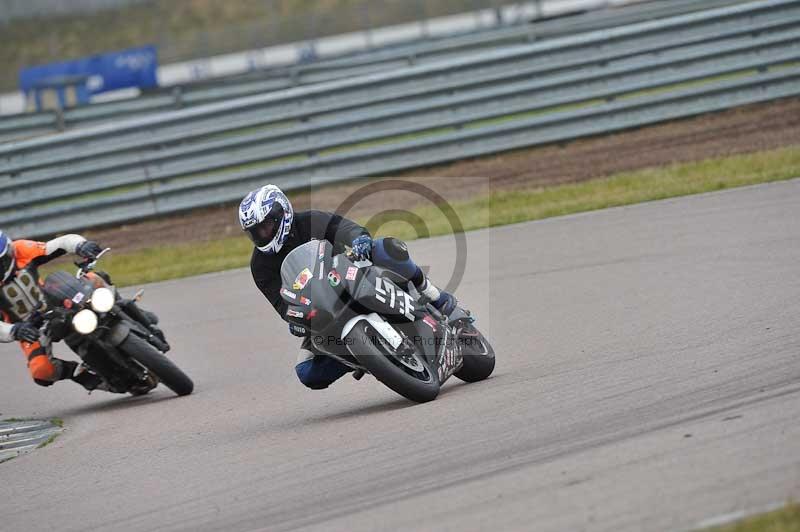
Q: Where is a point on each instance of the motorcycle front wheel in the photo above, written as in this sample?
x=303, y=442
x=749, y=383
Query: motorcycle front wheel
x=148, y=356
x=409, y=375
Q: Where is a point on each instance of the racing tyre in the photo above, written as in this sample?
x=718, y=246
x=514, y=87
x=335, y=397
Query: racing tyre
x=148, y=356
x=409, y=375
x=478, y=356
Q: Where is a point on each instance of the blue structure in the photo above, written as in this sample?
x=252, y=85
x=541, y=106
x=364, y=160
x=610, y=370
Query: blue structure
x=134, y=67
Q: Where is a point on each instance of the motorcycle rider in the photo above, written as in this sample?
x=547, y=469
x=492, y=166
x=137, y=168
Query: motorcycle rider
x=22, y=300
x=266, y=215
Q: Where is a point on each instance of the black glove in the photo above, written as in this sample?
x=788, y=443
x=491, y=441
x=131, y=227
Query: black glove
x=24, y=332
x=88, y=249
x=298, y=330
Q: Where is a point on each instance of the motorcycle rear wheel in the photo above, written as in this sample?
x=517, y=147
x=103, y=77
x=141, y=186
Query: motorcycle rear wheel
x=368, y=347
x=148, y=356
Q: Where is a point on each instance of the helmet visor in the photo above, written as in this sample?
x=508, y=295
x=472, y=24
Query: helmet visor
x=263, y=233
x=6, y=261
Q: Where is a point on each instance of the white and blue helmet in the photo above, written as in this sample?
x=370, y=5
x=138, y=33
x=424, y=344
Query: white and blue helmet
x=7, y=259
x=266, y=216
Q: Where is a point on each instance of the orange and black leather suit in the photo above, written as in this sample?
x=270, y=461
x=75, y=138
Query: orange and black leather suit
x=21, y=296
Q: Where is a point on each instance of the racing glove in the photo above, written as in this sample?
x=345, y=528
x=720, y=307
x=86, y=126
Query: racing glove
x=24, y=332
x=298, y=330
x=362, y=248
x=88, y=249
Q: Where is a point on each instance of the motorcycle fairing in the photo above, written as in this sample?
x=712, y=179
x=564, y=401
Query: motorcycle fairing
x=371, y=294
x=60, y=286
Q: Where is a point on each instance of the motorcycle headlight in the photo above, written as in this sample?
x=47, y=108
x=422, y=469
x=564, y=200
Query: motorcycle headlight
x=85, y=321
x=102, y=300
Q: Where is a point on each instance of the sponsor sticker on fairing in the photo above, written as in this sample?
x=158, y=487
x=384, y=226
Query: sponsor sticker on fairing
x=302, y=279
x=294, y=313
x=321, y=252
x=305, y=301
x=430, y=322
x=78, y=297
x=334, y=278
x=352, y=271
x=288, y=293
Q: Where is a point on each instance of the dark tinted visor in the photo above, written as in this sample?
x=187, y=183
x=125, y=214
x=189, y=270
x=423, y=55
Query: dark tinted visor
x=263, y=233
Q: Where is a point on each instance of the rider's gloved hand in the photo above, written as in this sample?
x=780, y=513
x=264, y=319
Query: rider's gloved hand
x=88, y=249
x=362, y=247
x=298, y=330
x=24, y=332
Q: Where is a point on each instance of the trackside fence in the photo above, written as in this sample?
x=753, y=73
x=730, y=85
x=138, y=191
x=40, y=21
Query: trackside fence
x=26, y=125
x=564, y=88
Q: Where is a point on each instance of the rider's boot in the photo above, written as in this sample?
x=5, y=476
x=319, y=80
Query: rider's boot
x=445, y=302
x=89, y=379
x=393, y=254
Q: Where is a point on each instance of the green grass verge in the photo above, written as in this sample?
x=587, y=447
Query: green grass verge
x=47, y=442
x=498, y=208
x=786, y=519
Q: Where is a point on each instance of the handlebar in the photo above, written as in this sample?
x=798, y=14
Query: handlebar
x=88, y=265
x=348, y=252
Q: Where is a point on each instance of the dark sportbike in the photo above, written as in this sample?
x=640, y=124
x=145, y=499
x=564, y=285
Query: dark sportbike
x=114, y=338
x=373, y=321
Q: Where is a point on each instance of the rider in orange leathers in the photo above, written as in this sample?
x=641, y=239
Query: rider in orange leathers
x=21, y=299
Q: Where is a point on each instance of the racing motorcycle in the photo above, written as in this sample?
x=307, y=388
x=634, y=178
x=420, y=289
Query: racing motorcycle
x=374, y=321
x=115, y=339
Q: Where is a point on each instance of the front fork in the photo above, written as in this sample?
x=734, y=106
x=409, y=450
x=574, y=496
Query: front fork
x=148, y=329
x=107, y=347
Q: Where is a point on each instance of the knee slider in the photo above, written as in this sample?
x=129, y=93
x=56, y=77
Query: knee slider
x=316, y=385
x=309, y=377
x=396, y=249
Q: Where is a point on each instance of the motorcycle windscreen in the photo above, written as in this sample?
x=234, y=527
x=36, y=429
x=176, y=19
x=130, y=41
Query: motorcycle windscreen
x=60, y=286
x=312, y=293
x=302, y=263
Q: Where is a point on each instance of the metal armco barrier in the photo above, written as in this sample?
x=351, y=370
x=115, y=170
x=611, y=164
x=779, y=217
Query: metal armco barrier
x=200, y=93
x=557, y=90
x=24, y=436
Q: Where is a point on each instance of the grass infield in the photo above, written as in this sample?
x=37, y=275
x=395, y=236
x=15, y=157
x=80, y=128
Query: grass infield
x=787, y=519
x=494, y=209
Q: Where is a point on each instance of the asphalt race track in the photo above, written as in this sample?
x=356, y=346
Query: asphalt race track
x=648, y=378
